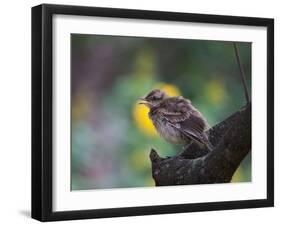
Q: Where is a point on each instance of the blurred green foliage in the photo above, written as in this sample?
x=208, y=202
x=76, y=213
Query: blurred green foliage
x=111, y=138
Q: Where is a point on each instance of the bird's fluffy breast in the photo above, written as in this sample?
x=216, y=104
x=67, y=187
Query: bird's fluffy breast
x=167, y=131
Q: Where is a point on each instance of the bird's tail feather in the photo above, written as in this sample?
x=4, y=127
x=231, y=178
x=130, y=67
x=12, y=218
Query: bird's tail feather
x=207, y=142
x=209, y=145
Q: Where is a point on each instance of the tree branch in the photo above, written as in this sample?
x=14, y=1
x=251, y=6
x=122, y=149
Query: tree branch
x=232, y=141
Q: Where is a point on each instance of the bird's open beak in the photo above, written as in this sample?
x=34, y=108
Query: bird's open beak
x=143, y=101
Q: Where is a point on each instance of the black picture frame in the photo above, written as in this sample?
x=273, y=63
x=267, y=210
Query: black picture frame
x=42, y=107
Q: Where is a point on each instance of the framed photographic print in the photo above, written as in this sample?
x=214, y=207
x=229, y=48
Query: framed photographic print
x=146, y=112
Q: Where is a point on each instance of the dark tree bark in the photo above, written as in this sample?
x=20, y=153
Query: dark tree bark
x=232, y=141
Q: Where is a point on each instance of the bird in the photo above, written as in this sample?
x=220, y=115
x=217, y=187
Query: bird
x=176, y=119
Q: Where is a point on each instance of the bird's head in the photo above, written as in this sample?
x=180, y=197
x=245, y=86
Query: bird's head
x=153, y=98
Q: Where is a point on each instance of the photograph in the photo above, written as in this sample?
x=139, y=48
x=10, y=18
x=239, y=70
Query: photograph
x=140, y=112
x=149, y=111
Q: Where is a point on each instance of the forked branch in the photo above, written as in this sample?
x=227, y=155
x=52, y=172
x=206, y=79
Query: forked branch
x=231, y=139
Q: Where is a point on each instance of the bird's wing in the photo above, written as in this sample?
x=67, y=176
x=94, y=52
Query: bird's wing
x=183, y=116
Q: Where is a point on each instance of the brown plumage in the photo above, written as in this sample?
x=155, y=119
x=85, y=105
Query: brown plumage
x=176, y=119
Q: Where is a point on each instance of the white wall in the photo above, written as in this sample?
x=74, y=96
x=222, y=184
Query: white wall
x=15, y=111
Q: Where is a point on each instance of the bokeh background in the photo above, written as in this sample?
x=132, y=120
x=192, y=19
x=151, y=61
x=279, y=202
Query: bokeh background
x=111, y=134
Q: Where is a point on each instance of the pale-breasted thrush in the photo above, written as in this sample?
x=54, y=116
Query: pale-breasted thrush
x=176, y=119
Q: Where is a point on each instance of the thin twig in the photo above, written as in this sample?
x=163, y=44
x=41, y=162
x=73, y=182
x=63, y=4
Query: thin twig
x=242, y=73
